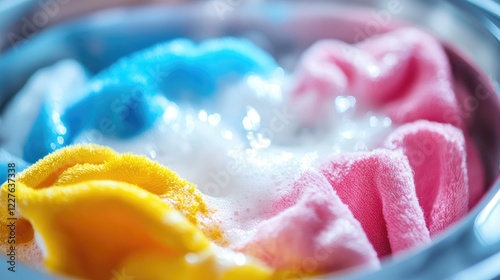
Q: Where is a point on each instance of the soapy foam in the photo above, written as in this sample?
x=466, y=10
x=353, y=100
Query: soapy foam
x=246, y=149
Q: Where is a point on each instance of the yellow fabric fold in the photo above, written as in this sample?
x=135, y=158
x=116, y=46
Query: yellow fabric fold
x=89, y=229
x=82, y=163
x=101, y=215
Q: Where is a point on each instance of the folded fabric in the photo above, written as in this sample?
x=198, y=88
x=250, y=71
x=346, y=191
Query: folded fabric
x=437, y=155
x=91, y=225
x=405, y=73
x=411, y=190
x=379, y=190
x=393, y=198
x=310, y=231
x=82, y=163
x=126, y=99
x=78, y=164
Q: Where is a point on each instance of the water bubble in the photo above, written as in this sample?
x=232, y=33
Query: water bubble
x=352, y=101
x=227, y=134
x=252, y=120
x=347, y=134
x=192, y=258
x=373, y=70
x=373, y=121
x=240, y=259
x=214, y=119
x=171, y=113
x=387, y=122
x=342, y=104
x=390, y=59
x=152, y=154
x=202, y=115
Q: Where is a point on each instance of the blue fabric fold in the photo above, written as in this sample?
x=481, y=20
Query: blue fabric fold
x=122, y=100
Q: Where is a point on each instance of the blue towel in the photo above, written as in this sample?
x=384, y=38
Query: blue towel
x=121, y=100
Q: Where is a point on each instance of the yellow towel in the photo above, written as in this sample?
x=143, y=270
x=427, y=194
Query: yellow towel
x=82, y=163
x=101, y=215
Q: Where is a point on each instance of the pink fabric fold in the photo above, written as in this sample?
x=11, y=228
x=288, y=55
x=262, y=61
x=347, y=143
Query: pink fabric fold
x=393, y=198
x=311, y=230
x=405, y=73
x=409, y=191
x=379, y=189
x=437, y=154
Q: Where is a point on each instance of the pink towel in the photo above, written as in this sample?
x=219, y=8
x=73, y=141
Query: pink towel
x=405, y=73
x=437, y=155
x=379, y=189
x=396, y=197
x=424, y=177
x=311, y=230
